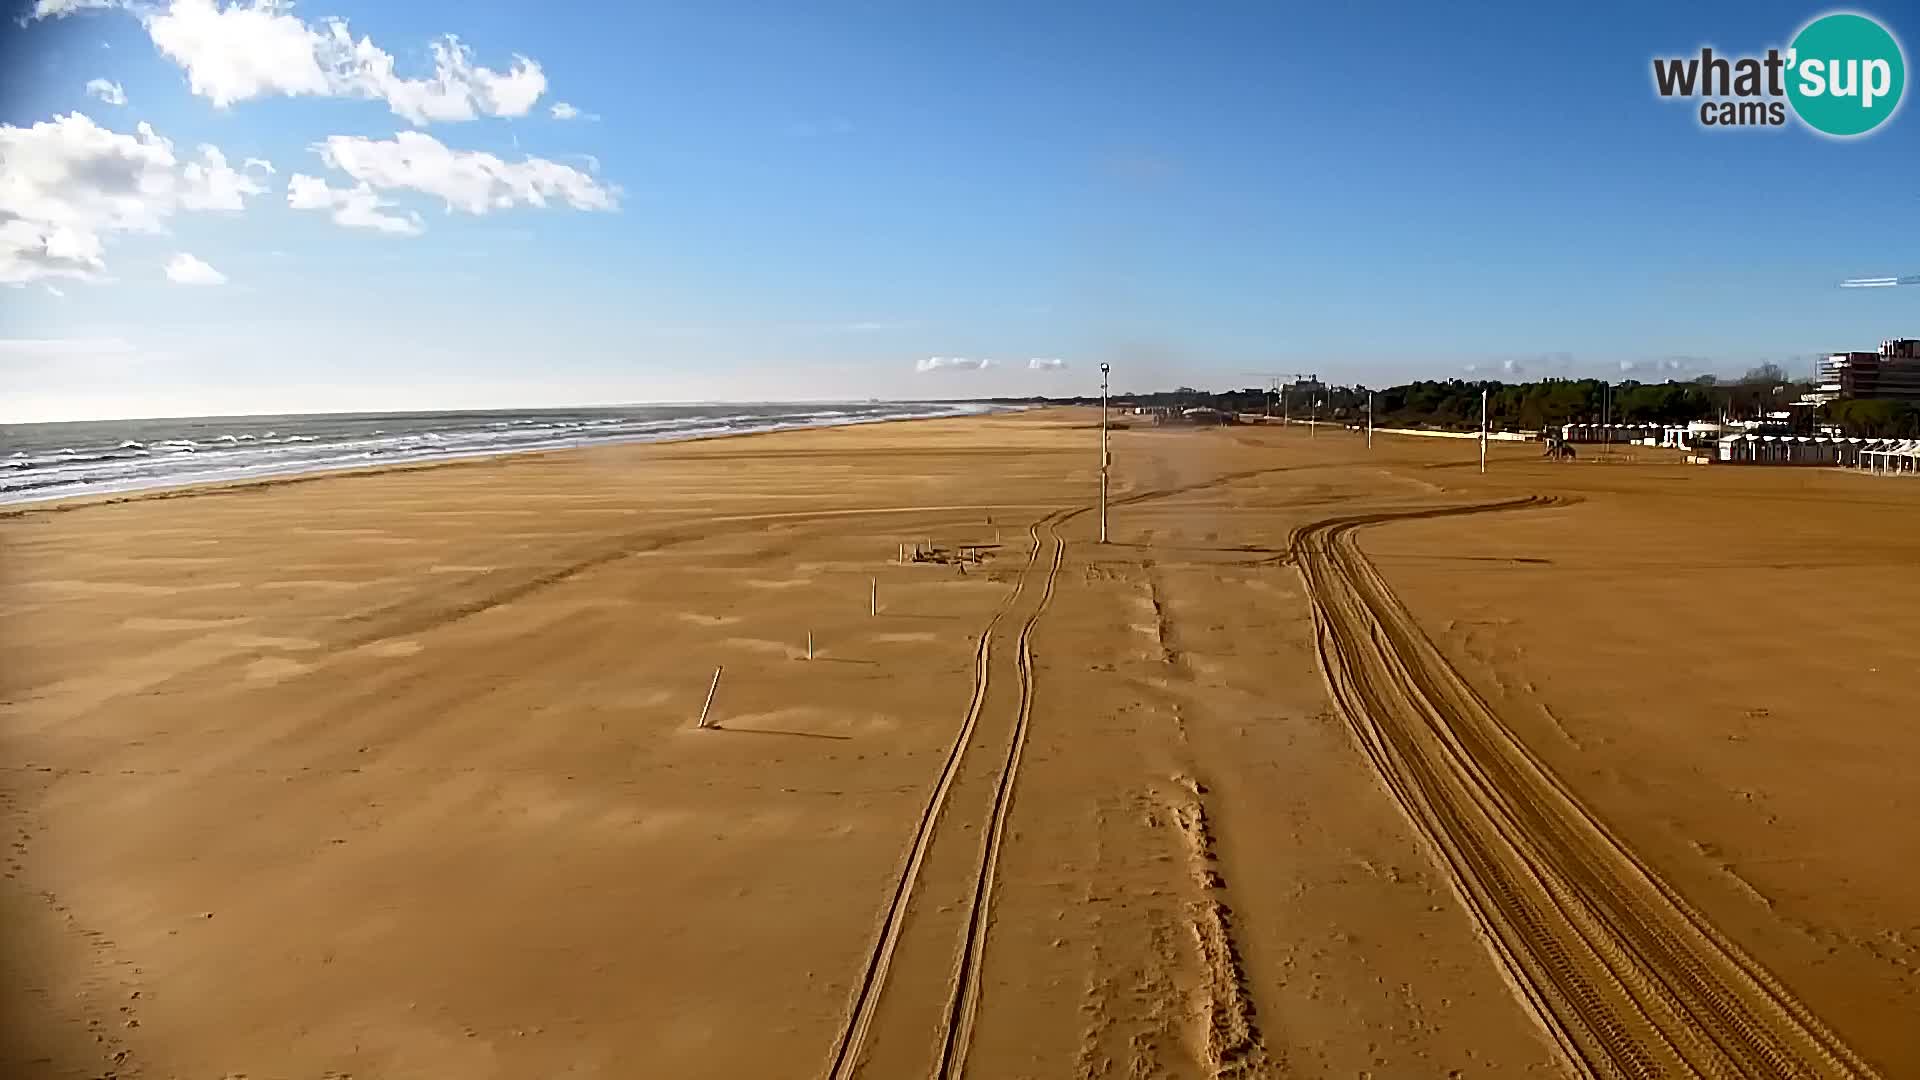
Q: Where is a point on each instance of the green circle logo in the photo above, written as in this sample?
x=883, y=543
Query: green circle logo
x=1845, y=74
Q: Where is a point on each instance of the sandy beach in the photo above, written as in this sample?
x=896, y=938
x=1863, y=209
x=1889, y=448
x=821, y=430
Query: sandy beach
x=1334, y=762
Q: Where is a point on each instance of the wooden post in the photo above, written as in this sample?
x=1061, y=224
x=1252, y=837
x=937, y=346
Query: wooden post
x=710, y=692
x=809, y=644
x=873, y=596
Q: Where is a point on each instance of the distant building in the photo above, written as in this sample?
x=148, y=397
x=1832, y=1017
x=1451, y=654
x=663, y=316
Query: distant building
x=1892, y=374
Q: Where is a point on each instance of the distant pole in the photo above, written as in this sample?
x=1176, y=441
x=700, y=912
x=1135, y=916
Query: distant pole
x=873, y=596
x=710, y=691
x=1483, y=429
x=1286, y=416
x=1314, y=428
x=1369, y=419
x=809, y=644
x=1105, y=456
x=1606, y=414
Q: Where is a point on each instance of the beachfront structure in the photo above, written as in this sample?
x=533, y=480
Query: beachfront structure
x=1890, y=456
x=1892, y=374
x=1751, y=449
x=1641, y=434
x=1693, y=435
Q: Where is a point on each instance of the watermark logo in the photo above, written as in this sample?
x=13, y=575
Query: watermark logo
x=1843, y=75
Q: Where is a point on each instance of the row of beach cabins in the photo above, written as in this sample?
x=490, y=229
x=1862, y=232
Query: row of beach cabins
x=1707, y=442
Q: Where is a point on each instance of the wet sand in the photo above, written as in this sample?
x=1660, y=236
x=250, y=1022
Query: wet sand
x=397, y=774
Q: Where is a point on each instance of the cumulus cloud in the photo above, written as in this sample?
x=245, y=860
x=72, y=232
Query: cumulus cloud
x=235, y=50
x=109, y=92
x=1667, y=365
x=952, y=363
x=54, y=9
x=458, y=90
x=184, y=269
x=563, y=111
x=1552, y=363
x=466, y=180
x=70, y=184
x=1046, y=363
x=357, y=207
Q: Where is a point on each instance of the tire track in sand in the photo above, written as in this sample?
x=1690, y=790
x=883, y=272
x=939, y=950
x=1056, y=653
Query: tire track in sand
x=846, y=1059
x=964, y=1004
x=1627, y=977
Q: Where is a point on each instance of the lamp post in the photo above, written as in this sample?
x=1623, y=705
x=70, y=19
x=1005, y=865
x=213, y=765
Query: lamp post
x=1105, y=456
x=1369, y=419
x=1483, y=430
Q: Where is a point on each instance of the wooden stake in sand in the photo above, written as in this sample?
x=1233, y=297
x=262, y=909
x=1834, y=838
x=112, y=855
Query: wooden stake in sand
x=809, y=644
x=710, y=691
x=873, y=596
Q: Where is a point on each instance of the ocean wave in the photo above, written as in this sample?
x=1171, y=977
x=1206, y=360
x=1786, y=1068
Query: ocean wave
x=151, y=461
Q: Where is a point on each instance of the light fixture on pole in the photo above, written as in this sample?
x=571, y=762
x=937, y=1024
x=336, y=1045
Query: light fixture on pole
x=1105, y=456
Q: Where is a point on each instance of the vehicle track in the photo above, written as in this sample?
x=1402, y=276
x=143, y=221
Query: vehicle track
x=963, y=1005
x=847, y=1051
x=963, y=1002
x=1627, y=977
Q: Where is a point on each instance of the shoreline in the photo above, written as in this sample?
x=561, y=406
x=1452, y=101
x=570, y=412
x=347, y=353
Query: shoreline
x=237, y=485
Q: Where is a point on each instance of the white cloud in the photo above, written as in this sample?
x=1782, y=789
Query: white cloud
x=258, y=163
x=356, y=207
x=458, y=90
x=952, y=363
x=54, y=290
x=54, y=9
x=465, y=180
x=563, y=111
x=69, y=183
x=234, y=53
x=240, y=50
x=212, y=185
x=109, y=92
x=184, y=269
x=1046, y=363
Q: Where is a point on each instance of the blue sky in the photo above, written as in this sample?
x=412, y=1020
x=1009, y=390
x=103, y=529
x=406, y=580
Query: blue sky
x=782, y=201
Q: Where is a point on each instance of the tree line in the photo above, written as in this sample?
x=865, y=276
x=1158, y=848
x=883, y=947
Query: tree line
x=1454, y=404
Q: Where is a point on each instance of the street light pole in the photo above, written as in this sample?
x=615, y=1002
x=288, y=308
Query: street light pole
x=1105, y=455
x=1369, y=419
x=1483, y=430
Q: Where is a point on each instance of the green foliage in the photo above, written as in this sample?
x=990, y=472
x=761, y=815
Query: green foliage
x=1875, y=419
x=1455, y=403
